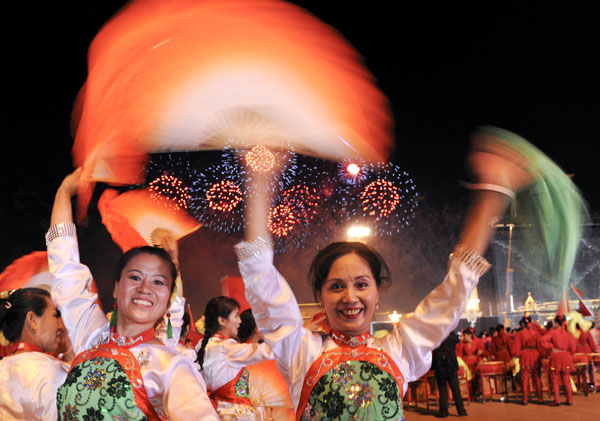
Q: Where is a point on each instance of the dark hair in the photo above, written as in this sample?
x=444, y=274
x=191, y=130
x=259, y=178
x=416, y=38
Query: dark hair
x=467, y=332
x=14, y=310
x=491, y=330
x=153, y=251
x=217, y=307
x=559, y=320
x=321, y=264
x=499, y=327
x=185, y=324
x=247, y=327
x=525, y=320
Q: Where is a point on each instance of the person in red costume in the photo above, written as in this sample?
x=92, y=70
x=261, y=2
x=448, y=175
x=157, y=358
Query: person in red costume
x=471, y=352
x=500, y=346
x=562, y=345
x=585, y=344
x=526, y=346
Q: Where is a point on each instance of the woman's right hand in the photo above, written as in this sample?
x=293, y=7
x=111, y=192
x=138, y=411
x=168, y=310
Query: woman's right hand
x=70, y=183
x=62, y=211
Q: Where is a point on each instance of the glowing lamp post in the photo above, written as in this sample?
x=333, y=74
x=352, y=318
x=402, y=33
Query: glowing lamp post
x=394, y=317
x=356, y=233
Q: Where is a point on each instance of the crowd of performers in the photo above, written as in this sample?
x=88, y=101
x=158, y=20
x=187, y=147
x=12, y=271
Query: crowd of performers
x=526, y=349
x=126, y=368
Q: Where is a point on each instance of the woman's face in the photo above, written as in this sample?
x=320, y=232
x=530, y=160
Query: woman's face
x=142, y=292
x=230, y=325
x=350, y=295
x=48, y=328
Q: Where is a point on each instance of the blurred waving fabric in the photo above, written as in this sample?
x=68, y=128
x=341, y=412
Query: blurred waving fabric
x=186, y=75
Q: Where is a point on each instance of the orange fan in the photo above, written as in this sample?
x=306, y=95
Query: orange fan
x=29, y=271
x=136, y=219
x=267, y=386
x=185, y=75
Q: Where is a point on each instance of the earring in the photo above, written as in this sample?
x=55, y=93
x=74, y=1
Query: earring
x=169, y=327
x=113, y=316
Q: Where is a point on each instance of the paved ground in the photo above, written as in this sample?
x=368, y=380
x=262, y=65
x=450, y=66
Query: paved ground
x=583, y=409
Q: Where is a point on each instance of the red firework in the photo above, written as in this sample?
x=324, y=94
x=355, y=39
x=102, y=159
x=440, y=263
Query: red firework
x=224, y=196
x=170, y=190
x=302, y=201
x=380, y=198
x=281, y=220
x=260, y=159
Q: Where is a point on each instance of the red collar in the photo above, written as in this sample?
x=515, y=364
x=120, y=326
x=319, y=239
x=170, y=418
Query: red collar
x=125, y=342
x=349, y=340
x=24, y=346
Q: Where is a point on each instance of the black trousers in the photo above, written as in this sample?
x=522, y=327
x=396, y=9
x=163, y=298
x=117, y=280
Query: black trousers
x=442, y=379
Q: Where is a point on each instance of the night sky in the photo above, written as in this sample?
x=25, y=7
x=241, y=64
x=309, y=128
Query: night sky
x=446, y=68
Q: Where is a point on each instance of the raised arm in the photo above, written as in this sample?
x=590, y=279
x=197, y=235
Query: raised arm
x=273, y=303
x=62, y=210
x=498, y=174
x=71, y=292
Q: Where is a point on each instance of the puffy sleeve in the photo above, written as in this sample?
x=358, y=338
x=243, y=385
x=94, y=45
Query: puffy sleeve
x=241, y=355
x=71, y=292
x=176, y=311
x=276, y=311
x=420, y=332
x=185, y=397
x=47, y=382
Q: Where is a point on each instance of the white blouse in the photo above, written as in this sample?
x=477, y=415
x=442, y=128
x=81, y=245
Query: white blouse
x=223, y=360
x=279, y=320
x=28, y=385
x=174, y=386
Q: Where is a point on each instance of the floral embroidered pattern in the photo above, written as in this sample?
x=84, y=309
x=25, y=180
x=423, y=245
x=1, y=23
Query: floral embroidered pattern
x=118, y=387
x=361, y=394
x=93, y=415
x=311, y=414
x=94, y=379
x=97, y=389
x=70, y=413
x=342, y=373
x=241, y=386
x=355, y=390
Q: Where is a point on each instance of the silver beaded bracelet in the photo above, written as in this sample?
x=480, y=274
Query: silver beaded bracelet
x=64, y=229
x=248, y=249
x=491, y=187
x=470, y=258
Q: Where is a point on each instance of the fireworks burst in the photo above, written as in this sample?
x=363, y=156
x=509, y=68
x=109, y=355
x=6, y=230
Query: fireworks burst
x=170, y=190
x=389, y=199
x=380, y=198
x=353, y=172
x=218, y=198
x=260, y=159
x=302, y=201
x=281, y=220
x=224, y=196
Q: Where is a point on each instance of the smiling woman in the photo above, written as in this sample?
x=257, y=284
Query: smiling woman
x=120, y=365
x=346, y=373
x=29, y=375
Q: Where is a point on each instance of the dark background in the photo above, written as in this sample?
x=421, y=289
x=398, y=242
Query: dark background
x=446, y=67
